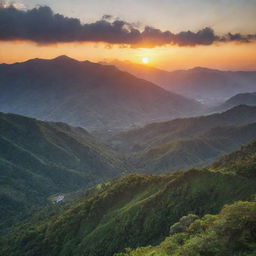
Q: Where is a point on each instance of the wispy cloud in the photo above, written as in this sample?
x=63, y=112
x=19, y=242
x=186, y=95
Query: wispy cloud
x=42, y=26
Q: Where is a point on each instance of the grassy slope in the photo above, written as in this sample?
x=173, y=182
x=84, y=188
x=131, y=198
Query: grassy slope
x=131, y=212
x=38, y=159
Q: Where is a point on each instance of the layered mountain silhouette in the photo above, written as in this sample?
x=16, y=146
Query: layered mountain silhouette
x=39, y=159
x=86, y=94
x=241, y=98
x=207, y=85
x=189, y=142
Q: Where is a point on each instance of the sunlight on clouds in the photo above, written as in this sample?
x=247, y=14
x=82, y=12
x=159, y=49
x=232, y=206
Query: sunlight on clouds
x=16, y=4
x=224, y=56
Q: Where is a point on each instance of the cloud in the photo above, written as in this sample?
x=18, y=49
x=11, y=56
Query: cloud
x=42, y=26
x=7, y=3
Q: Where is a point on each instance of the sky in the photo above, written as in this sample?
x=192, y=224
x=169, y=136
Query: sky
x=227, y=43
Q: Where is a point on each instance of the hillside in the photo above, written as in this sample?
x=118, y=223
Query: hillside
x=86, y=94
x=162, y=132
x=207, y=85
x=184, y=143
x=133, y=211
x=242, y=98
x=195, y=152
x=241, y=161
x=231, y=232
x=39, y=159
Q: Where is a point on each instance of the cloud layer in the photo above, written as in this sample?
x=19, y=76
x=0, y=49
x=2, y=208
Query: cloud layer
x=42, y=26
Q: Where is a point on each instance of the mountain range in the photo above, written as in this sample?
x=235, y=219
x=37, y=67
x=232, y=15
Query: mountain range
x=86, y=94
x=93, y=159
x=188, y=142
x=209, y=86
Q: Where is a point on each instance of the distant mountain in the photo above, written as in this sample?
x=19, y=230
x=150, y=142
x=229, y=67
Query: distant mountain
x=194, y=152
x=242, y=98
x=188, y=142
x=138, y=210
x=86, y=94
x=207, y=85
x=39, y=159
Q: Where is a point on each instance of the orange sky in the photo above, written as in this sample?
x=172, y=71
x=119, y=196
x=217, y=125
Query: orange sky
x=228, y=56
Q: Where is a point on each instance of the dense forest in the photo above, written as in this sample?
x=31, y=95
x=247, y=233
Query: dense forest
x=138, y=210
x=39, y=159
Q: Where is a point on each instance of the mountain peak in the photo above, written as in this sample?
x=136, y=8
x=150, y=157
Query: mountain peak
x=203, y=69
x=64, y=58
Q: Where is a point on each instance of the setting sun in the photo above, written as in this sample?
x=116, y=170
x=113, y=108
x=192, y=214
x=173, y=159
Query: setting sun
x=145, y=60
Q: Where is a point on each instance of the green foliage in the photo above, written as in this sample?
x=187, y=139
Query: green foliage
x=231, y=232
x=242, y=161
x=138, y=210
x=38, y=159
x=133, y=211
x=183, y=223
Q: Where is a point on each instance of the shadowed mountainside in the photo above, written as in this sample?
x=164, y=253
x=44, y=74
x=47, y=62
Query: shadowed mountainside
x=207, y=85
x=242, y=98
x=39, y=159
x=86, y=94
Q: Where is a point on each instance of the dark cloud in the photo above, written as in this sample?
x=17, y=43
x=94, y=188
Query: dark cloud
x=239, y=37
x=41, y=25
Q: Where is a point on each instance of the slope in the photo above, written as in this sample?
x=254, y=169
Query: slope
x=163, y=132
x=195, y=152
x=38, y=159
x=242, y=98
x=131, y=212
x=86, y=94
x=206, y=85
x=231, y=232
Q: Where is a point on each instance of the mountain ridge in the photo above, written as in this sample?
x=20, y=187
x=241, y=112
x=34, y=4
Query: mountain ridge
x=82, y=93
x=182, y=143
x=209, y=86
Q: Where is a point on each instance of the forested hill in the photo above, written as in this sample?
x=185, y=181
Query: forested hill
x=39, y=159
x=188, y=142
x=135, y=211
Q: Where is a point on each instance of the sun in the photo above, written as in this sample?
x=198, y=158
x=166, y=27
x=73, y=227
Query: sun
x=145, y=60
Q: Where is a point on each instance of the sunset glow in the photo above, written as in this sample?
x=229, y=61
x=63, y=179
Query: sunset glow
x=145, y=60
x=230, y=56
x=167, y=45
